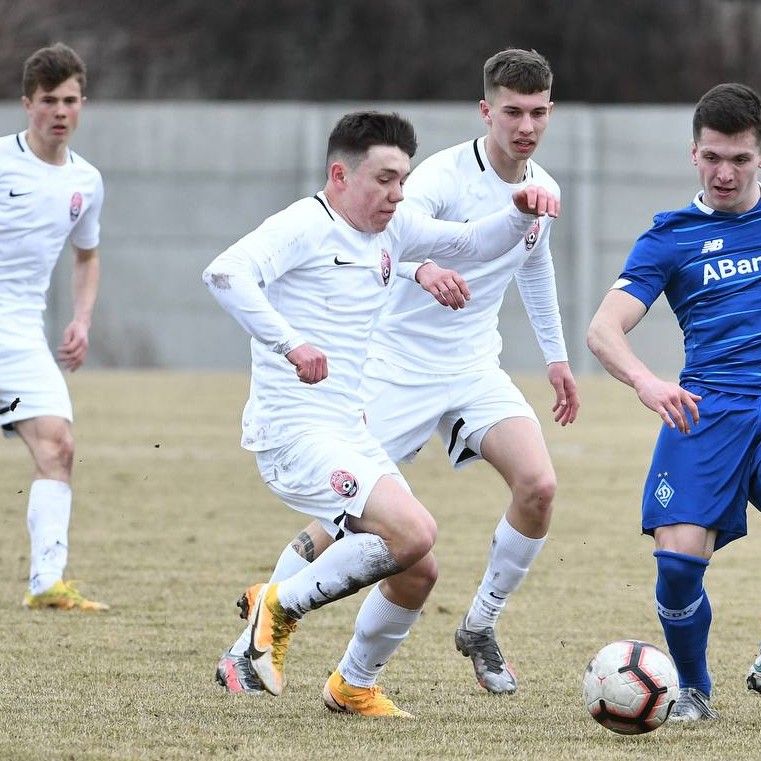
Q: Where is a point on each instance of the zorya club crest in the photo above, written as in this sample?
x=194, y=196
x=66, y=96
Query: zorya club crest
x=75, y=207
x=385, y=266
x=532, y=236
x=343, y=483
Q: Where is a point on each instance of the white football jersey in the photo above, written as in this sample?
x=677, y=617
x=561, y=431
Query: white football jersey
x=414, y=331
x=306, y=276
x=41, y=205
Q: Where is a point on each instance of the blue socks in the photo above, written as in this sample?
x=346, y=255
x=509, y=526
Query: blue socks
x=685, y=614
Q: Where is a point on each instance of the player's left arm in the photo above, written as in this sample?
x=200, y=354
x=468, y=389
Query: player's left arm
x=567, y=399
x=85, y=278
x=538, y=290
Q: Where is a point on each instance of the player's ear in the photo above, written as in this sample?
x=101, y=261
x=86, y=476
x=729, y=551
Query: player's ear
x=485, y=109
x=337, y=173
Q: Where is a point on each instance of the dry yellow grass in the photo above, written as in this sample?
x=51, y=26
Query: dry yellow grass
x=171, y=522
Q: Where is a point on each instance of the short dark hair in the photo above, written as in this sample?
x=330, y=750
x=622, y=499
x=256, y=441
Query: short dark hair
x=728, y=108
x=49, y=67
x=356, y=133
x=524, y=71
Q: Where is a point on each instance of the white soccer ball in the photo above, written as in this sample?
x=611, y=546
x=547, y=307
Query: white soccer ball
x=630, y=686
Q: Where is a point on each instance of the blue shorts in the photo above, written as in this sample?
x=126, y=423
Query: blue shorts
x=707, y=477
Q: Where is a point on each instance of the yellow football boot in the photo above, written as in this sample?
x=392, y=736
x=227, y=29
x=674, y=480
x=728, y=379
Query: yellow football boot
x=341, y=697
x=64, y=596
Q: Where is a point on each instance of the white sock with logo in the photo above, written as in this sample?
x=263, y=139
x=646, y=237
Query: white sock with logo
x=509, y=559
x=380, y=629
x=288, y=564
x=47, y=518
x=352, y=563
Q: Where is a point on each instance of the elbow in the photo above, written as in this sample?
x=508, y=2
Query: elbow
x=214, y=280
x=594, y=338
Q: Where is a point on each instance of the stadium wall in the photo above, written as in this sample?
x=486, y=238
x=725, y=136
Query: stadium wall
x=186, y=179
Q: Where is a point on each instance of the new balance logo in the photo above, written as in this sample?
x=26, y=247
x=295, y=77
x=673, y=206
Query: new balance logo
x=712, y=245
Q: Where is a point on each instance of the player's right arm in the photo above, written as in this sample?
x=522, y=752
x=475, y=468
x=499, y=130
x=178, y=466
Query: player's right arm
x=619, y=312
x=236, y=279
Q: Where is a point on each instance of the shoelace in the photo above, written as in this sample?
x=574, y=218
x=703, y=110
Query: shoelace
x=488, y=649
x=249, y=677
x=690, y=697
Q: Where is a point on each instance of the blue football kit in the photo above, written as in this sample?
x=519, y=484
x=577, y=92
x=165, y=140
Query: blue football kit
x=708, y=265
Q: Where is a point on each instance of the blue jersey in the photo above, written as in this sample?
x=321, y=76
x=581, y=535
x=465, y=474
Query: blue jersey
x=708, y=264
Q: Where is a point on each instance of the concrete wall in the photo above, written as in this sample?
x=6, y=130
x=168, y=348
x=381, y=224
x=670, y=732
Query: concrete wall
x=184, y=180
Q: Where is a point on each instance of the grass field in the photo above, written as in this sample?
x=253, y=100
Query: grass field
x=171, y=522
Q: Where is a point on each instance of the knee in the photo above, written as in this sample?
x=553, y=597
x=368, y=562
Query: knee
x=56, y=454
x=65, y=449
x=535, y=493
x=416, y=539
x=411, y=588
x=426, y=572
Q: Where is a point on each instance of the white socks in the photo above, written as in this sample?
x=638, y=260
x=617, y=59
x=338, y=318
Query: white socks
x=509, y=560
x=288, y=564
x=380, y=629
x=348, y=565
x=47, y=518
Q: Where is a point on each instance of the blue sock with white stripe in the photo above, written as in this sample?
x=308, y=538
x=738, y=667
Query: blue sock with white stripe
x=685, y=614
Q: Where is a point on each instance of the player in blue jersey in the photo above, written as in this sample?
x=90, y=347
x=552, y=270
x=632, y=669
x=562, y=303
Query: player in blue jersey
x=706, y=259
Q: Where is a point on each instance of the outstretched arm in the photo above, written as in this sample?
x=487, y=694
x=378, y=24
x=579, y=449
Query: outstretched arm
x=482, y=240
x=606, y=338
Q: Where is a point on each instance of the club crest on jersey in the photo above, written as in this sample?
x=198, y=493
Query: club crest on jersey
x=532, y=236
x=343, y=483
x=385, y=266
x=75, y=207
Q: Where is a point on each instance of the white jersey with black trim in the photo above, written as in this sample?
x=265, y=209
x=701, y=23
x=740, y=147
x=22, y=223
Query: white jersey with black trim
x=415, y=332
x=41, y=205
x=306, y=276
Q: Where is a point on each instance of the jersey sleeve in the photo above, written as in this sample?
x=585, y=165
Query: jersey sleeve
x=536, y=283
x=236, y=278
x=650, y=263
x=422, y=237
x=86, y=233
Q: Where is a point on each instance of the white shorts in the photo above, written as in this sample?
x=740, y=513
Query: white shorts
x=29, y=372
x=327, y=476
x=404, y=408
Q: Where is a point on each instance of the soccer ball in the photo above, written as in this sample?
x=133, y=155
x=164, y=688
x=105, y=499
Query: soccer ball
x=630, y=686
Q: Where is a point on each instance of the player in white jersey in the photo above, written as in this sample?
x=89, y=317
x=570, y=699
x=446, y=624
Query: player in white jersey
x=308, y=285
x=430, y=369
x=48, y=195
